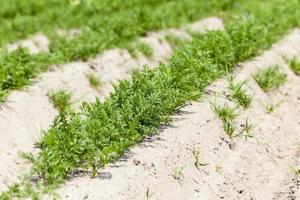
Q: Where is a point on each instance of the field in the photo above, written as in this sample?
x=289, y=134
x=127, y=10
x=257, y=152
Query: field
x=150, y=99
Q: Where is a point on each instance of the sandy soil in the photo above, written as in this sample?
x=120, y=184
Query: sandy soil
x=25, y=114
x=163, y=166
x=35, y=44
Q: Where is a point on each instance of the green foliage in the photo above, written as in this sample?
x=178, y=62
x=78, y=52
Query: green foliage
x=138, y=106
x=104, y=24
x=95, y=81
x=270, y=78
x=141, y=47
x=294, y=66
x=175, y=41
x=229, y=128
x=239, y=94
x=145, y=49
x=271, y=107
x=61, y=100
x=102, y=131
x=225, y=113
x=295, y=170
x=136, y=109
x=198, y=163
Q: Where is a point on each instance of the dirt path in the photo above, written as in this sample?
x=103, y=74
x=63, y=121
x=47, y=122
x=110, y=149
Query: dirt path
x=27, y=113
x=257, y=168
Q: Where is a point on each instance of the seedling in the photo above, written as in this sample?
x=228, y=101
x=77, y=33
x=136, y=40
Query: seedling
x=218, y=169
x=270, y=78
x=225, y=113
x=295, y=170
x=239, y=94
x=247, y=127
x=148, y=193
x=294, y=66
x=95, y=81
x=198, y=164
x=271, y=107
x=61, y=100
x=178, y=175
x=229, y=128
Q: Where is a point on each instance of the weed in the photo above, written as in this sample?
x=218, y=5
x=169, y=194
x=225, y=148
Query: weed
x=238, y=93
x=198, y=164
x=225, y=113
x=95, y=81
x=247, y=127
x=218, y=169
x=270, y=78
x=271, y=107
x=148, y=193
x=178, y=175
x=229, y=128
x=295, y=170
x=60, y=99
x=294, y=66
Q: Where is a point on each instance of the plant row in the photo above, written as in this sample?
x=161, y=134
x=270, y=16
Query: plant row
x=103, y=24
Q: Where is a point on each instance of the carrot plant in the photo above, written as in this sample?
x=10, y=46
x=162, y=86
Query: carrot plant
x=239, y=94
x=94, y=80
x=294, y=65
x=60, y=99
x=225, y=113
x=270, y=78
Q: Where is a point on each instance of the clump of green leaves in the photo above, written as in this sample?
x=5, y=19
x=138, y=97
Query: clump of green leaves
x=95, y=81
x=178, y=175
x=247, y=127
x=229, y=128
x=61, y=99
x=294, y=65
x=198, y=164
x=271, y=107
x=270, y=78
x=144, y=48
x=239, y=94
x=225, y=113
x=295, y=170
